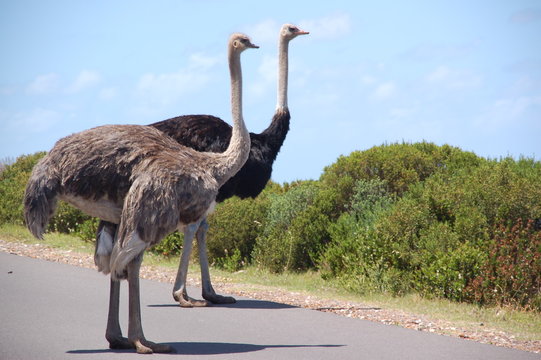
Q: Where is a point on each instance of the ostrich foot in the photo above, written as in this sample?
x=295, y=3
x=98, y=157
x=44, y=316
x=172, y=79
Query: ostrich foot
x=219, y=299
x=187, y=302
x=148, y=347
x=119, y=343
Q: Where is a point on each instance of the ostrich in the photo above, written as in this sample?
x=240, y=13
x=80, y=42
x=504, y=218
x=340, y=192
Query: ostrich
x=209, y=133
x=142, y=180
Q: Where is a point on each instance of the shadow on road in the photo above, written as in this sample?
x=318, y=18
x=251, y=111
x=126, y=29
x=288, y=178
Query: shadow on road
x=240, y=304
x=208, y=348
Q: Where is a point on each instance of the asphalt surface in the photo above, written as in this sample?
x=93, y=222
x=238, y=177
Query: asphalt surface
x=57, y=311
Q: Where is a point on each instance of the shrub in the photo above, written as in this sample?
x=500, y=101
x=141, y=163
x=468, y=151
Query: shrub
x=233, y=229
x=231, y=262
x=88, y=229
x=448, y=273
x=399, y=166
x=13, y=181
x=276, y=248
x=434, y=238
x=68, y=220
x=353, y=248
x=511, y=273
x=171, y=245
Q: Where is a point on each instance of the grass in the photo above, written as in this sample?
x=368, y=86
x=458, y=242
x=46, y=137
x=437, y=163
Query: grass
x=525, y=325
x=16, y=233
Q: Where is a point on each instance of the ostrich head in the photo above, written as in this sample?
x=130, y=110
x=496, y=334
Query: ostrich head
x=289, y=31
x=241, y=42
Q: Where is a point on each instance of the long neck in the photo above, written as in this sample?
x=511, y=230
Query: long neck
x=236, y=154
x=278, y=128
x=283, y=47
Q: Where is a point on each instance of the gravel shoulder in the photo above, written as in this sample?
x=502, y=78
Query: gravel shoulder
x=343, y=308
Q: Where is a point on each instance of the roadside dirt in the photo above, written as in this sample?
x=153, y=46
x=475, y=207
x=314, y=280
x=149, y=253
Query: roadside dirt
x=343, y=308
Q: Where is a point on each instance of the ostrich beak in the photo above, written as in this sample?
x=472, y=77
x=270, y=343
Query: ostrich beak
x=302, y=32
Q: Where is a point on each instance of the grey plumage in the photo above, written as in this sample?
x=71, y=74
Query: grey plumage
x=141, y=179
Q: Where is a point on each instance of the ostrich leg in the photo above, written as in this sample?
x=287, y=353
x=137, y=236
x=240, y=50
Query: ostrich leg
x=208, y=291
x=113, y=334
x=135, y=328
x=179, y=289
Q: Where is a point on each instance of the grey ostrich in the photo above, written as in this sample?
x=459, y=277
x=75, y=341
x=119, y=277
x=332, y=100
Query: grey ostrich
x=209, y=133
x=142, y=180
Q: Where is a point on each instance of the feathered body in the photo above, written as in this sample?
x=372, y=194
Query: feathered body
x=129, y=175
x=210, y=133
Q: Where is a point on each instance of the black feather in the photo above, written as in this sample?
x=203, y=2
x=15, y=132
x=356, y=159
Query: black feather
x=209, y=133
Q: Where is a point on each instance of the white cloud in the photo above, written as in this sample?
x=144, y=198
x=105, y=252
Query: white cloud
x=509, y=111
x=439, y=74
x=198, y=60
x=399, y=113
x=267, y=78
x=384, y=90
x=264, y=32
x=526, y=16
x=167, y=88
x=37, y=120
x=455, y=79
x=329, y=27
x=7, y=90
x=85, y=80
x=108, y=94
x=368, y=80
x=515, y=108
x=268, y=69
x=44, y=84
x=439, y=51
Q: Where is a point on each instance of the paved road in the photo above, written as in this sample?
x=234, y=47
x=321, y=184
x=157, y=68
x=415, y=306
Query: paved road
x=56, y=311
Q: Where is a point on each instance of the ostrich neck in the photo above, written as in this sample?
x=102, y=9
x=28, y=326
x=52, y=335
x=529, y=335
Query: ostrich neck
x=236, y=154
x=278, y=128
x=283, y=46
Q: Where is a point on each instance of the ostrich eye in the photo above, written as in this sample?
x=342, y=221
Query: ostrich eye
x=244, y=41
x=292, y=29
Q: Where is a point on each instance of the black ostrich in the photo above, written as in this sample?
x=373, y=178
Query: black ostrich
x=207, y=133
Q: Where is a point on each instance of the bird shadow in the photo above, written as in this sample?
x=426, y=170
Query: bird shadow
x=209, y=348
x=240, y=304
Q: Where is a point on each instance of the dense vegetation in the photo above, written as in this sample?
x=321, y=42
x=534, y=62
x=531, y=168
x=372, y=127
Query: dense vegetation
x=396, y=218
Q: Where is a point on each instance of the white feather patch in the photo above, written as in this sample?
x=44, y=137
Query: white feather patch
x=105, y=243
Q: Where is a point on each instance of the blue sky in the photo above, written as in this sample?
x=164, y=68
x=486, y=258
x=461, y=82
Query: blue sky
x=464, y=73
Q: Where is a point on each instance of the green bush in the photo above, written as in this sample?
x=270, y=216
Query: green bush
x=68, y=220
x=233, y=229
x=399, y=166
x=276, y=248
x=354, y=251
x=448, y=273
x=87, y=229
x=13, y=181
x=171, y=245
x=231, y=262
x=434, y=238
